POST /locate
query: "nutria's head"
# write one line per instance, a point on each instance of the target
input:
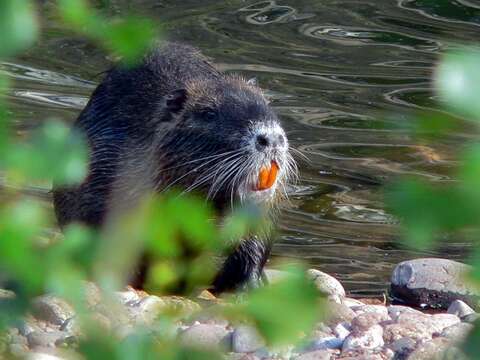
(225, 141)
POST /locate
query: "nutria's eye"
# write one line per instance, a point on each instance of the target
(210, 115)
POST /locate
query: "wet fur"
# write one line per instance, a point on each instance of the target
(141, 139)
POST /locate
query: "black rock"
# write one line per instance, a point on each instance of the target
(432, 282)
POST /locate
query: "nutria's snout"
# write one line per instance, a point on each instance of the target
(271, 164)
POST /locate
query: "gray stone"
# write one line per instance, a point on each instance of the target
(93, 294)
(18, 350)
(245, 339)
(66, 341)
(369, 339)
(205, 336)
(337, 313)
(432, 282)
(377, 309)
(207, 318)
(43, 339)
(366, 320)
(459, 308)
(342, 330)
(403, 346)
(437, 349)
(70, 326)
(326, 284)
(41, 356)
(316, 355)
(28, 326)
(435, 323)
(52, 309)
(238, 356)
(442, 321)
(128, 296)
(457, 332)
(366, 354)
(326, 343)
(394, 311)
(147, 309)
(412, 330)
(350, 302)
(471, 318)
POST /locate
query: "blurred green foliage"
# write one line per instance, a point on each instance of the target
(127, 37)
(181, 233)
(431, 212)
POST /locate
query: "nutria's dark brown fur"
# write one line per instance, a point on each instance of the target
(161, 124)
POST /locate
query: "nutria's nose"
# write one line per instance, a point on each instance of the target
(265, 141)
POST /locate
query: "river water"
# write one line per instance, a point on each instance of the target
(343, 75)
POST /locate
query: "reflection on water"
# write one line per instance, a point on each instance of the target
(333, 70)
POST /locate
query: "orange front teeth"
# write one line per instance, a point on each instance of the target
(267, 176)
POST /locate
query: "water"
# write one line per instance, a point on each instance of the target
(335, 71)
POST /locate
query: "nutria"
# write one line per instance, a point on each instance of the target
(175, 120)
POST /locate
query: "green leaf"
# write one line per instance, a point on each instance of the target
(283, 310)
(427, 209)
(130, 38)
(53, 152)
(20, 224)
(18, 26)
(458, 82)
(78, 14)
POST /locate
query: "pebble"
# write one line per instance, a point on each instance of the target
(326, 284)
(365, 321)
(431, 282)
(342, 330)
(369, 339)
(414, 331)
(471, 318)
(245, 339)
(205, 336)
(129, 296)
(376, 309)
(42, 356)
(44, 339)
(147, 309)
(457, 332)
(350, 302)
(237, 356)
(459, 308)
(338, 313)
(431, 350)
(367, 354)
(403, 346)
(70, 326)
(18, 350)
(52, 309)
(28, 326)
(425, 324)
(352, 331)
(93, 294)
(329, 342)
(316, 355)
(394, 311)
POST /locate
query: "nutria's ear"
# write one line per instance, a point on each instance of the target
(253, 81)
(175, 101)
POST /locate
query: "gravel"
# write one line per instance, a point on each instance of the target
(353, 330)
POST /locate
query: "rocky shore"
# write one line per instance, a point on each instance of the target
(355, 329)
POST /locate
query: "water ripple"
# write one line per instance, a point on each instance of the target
(359, 36)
